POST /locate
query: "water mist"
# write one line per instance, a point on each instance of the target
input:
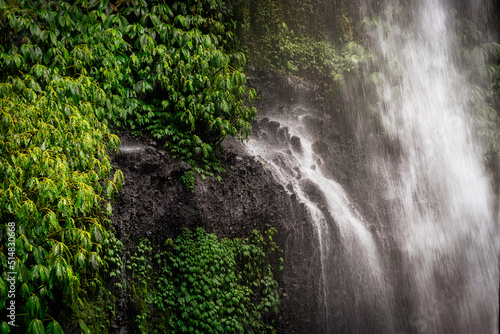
(436, 268)
(437, 188)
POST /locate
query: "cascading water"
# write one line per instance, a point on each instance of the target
(439, 193)
(440, 272)
(342, 234)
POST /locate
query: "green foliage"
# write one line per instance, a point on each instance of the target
(206, 285)
(164, 67)
(140, 268)
(99, 306)
(4, 328)
(303, 56)
(291, 36)
(55, 187)
(188, 180)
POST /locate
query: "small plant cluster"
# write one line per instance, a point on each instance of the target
(206, 285)
(300, 55)
(188, 180)
(99, 294)
(163, 67)
(140, 268)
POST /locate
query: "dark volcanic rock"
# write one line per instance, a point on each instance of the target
(273, 126)
(313, 192)
(296, 144)
(155, 204)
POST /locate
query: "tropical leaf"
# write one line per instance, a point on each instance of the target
(54, 328)
(36, 327)
(4, 327)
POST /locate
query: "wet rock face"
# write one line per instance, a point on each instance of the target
(155, 204)
(341, 158)
(313, 192)
(296, 144)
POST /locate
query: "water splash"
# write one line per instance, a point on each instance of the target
(348, 253)
(125, 148)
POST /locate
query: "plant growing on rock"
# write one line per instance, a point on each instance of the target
(188, 180)
(205, 284)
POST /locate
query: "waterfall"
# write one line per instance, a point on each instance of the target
(349, 257)
(438, 190)
(411, 109)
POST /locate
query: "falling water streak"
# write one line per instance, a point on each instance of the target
(268, 153)
(322, 231)
(335, 208)
(439, 192)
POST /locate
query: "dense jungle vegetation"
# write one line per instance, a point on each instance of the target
(74, 74)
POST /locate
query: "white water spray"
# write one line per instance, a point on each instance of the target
(338, 225)
(439, 193)
(438, 272)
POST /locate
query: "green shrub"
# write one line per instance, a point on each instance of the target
(55, 188)
(207, 285)
(291, 36)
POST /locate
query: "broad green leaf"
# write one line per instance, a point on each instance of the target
(53, 38)
(34, 29)
(109, 209)
(25, 291)
(36, 327)
(17, 60)
(94, 260)
(182, 20)
(80, 259)
(3, 290)
(83, 326)
(25, 50)
(118, 178)
(34, 307)
(54, 328)
(96, 234)
(107, 22)
(109, 190)
(4, 327)
(62, 20)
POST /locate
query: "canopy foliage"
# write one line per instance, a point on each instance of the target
(167, 69)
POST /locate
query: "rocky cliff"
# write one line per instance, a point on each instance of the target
(155, 204)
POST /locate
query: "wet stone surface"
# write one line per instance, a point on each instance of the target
(155, 204)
